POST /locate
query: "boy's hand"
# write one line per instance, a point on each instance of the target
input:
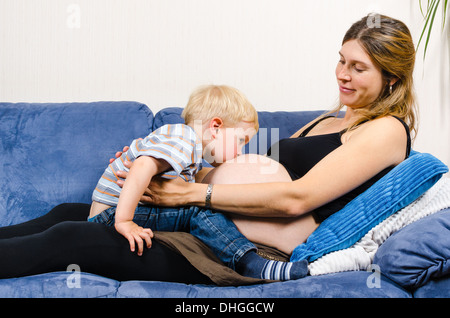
(135, 234)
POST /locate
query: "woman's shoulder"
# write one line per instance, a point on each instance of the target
(386, 125)
(384, 133)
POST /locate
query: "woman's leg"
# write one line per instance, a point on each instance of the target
(96, 249)
(60, 213)
(213, 228)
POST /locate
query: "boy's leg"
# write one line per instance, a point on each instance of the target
(155, 218)
(220, 234)
(236, 251)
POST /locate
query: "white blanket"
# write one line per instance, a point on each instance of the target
(360, 255)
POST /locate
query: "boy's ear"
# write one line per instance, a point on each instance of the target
(214, 125)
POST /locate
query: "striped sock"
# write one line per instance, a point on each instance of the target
(253, 265)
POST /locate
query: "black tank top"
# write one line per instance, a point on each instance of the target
(298, 155)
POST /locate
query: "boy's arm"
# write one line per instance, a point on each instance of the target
(139, 177)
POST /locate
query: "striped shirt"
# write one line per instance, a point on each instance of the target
(177, 144)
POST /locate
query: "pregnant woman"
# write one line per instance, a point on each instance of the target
(322, 167)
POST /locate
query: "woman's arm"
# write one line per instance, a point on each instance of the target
(202, 174)
(368, 150)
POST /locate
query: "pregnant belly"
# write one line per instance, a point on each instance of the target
(282, 233)
(249, 168)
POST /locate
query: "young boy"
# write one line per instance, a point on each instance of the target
(219, 121)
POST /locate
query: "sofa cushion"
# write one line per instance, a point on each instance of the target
(418, 253)
(355, 284)
(59, 285)
(397, 189)
(55, 153)
(435, 288)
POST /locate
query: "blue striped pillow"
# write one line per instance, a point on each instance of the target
(397, 189)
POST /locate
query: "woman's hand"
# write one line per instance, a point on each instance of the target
(119, 153)
(167, 192)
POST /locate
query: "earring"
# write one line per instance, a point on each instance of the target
(390, 90)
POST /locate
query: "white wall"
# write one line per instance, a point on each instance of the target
(280, 53)
(432, 80)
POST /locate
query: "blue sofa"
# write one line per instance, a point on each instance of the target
(44, 151)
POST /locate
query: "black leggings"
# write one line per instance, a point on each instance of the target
(64, 237)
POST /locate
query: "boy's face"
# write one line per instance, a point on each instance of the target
(228, 142)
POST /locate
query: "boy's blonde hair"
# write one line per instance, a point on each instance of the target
(221, 101)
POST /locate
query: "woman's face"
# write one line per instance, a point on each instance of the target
(360, 80)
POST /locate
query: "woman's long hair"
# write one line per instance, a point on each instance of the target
(389, 44)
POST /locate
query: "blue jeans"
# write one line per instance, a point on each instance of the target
(217, 231)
